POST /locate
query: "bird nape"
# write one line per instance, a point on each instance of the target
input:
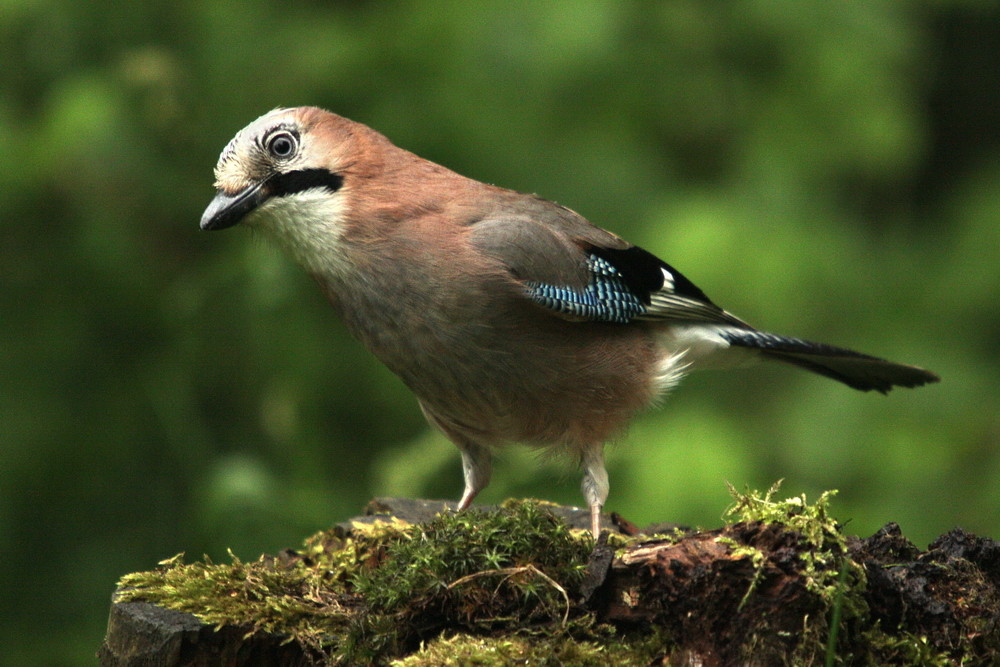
(512, 318)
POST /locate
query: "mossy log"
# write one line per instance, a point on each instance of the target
(148, 635)
(779, 586)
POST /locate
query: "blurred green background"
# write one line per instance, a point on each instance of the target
(827, 170)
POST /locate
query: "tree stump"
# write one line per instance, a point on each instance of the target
(752, 592)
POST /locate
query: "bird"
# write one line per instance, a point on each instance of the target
(512, 318)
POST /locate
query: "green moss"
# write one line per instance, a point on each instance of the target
(813, 522)
(306, 597)
(501, 588)
(827, 571)
(463, 650)
(849, 636)
(484, 572)
(827, 554)
(471, 570)
(906, 649)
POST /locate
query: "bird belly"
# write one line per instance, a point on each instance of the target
(570, 385)
(492, 365)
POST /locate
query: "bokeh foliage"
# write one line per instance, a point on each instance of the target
(827, 170)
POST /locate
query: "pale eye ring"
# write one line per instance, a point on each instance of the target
(282, 145)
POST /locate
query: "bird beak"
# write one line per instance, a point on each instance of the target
(227, 210)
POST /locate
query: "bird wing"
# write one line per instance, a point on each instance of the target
(584, 273)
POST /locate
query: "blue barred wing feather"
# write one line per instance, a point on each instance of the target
(630, 284)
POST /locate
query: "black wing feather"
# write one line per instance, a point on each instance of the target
(642, 271)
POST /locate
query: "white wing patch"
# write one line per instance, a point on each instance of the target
(666, 303)
(668, 280)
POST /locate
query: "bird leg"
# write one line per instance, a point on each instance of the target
(595, 484)
(477, 466)
(477, 461)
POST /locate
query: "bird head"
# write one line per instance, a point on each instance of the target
(298, 175)
(275, 161)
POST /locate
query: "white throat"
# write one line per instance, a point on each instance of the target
(309, 225)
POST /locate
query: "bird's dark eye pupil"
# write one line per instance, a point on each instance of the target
(282, 145)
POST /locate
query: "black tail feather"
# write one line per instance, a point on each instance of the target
(854, 369)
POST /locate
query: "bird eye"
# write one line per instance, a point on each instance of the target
(281, 144)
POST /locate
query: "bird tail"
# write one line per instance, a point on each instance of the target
(854, 369)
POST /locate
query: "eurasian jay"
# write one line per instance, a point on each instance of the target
(512, 318)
